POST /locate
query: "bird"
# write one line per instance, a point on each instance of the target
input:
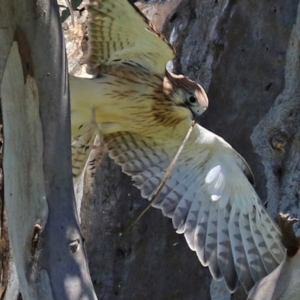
(142, 111)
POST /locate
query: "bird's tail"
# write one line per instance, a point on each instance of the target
(81, 149)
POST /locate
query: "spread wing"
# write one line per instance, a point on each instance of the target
(118, 34)
(210, 200)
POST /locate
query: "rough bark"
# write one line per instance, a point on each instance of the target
(46, 242)
(246, 55)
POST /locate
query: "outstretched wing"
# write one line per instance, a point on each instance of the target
(210, 200)
(119, 34)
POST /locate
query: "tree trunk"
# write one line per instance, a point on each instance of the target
(46, 242)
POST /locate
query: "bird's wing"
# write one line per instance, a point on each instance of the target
(210, 200)
(119, 33)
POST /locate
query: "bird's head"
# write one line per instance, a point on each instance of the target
(185, 93)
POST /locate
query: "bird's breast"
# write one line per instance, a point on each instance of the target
(126, 99)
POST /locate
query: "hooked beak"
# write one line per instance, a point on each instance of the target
(197, 112)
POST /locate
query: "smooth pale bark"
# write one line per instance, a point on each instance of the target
(46, 242)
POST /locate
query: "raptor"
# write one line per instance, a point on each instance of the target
(143, 112)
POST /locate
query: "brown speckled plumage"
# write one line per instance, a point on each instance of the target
(143, 112)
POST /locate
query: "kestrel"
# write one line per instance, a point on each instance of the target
(143, 113)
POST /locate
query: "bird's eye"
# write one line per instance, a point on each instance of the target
(192, 99)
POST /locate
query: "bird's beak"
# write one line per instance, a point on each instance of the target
(197, 112)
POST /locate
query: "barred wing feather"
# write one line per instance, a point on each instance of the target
(210, 200)
(118, 33)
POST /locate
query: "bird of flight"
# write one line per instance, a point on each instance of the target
(143, 113)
